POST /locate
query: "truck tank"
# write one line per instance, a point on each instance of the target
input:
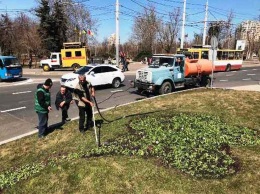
(197, 66)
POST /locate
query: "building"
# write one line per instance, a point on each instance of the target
(250, 30)
(112, 39)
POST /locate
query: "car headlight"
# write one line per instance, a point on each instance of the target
(71, 79)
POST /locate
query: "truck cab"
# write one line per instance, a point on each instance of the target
(52, 63)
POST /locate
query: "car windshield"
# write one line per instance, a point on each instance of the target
(11, 62)
(162, 61)
(83, 70)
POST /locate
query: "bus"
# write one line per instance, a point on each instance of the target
(224, 59)
(10, 68)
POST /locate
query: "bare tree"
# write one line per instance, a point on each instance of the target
(144, 29)
(168, 31)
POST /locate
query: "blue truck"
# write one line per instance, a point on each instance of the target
(170, 71)
(10, 68)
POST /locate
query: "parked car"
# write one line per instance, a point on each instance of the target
(97, 74)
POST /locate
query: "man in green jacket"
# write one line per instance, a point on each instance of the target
(43, 106)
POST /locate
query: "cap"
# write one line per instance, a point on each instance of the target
(48, 82)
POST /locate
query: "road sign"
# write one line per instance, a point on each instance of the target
(214, 42)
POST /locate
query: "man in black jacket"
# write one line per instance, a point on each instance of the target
(63, 101)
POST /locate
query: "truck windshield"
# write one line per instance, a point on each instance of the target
(11, 62)
(162, 61)
(83, 70)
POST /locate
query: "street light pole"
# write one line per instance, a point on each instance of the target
(183, 23)
(117, 33)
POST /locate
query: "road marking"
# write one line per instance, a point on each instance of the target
(116, 91)
(251, 74)
(229, 75)
(223, 80)
(21, 92)
(254, 69)
(246, 79)
(244, 70)
(13, 109)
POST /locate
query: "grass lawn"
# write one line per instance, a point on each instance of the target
(59, 163)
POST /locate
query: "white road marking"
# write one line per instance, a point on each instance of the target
(116, 91)
(251, 74)
(13, 109)
(21, 92)
(254, 69)
(229, 75)
(246, 79)
(223, 80)
(244, 70)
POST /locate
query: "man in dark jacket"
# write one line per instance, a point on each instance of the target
(42, 106)
(63, 101)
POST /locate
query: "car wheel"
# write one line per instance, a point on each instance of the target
(75, 66)
(46, 68)
(165, 88)
(116, 83)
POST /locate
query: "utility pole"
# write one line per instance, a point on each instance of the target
(205, 25)
(183, 23)
(117, 33)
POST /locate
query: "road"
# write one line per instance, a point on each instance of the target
(17, 114)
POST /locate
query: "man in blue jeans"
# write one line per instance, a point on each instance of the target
(42, 106)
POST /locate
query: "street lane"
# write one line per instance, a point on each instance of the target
(19, 96)
(17, 114)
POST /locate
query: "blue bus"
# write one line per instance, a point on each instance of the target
(10, 68)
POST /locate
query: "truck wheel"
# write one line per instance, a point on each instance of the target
(116, 83)
(165, 88)
(228, 68)
(75, 66)
(205, 82)
(46, 68)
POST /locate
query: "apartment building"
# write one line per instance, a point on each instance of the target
(251, 30)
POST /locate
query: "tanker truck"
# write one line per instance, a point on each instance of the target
(168, 72)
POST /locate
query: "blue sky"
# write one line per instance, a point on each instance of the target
(104, 11)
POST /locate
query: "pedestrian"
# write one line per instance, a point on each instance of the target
(126, 64)
(63, 101)
(30, 62)
(43, 106)
(84, 92)
(123, 61)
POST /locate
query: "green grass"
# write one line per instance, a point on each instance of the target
(133, 174)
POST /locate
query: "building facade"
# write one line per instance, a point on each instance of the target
(250, 30)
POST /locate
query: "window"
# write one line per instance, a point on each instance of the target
(54, 57)
(108, 69)
(68, 54)
(195, 55)
(97, 70)
(231, 55)
(78, 53)
(219, 55)
(205, 54)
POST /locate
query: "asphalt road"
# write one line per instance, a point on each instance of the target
(17, 116)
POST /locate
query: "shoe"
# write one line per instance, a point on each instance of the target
(41, 136)
(82, 131)
(67, 119)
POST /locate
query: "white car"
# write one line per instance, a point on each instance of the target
(101, 74)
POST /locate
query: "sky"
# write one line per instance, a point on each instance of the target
(104, 12)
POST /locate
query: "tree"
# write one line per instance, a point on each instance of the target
(168, 31)
(53, 25)
(7, 42)
(145, 29)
